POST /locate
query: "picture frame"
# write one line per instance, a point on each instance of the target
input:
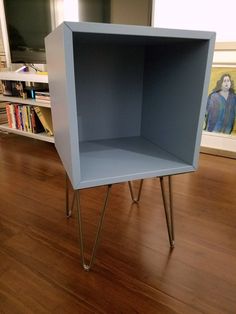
(224, 62)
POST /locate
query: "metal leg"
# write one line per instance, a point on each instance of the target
(88, 266)
(168, 213)
(68, 207)
(135, 200)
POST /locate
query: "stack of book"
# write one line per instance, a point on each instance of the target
(42, 96)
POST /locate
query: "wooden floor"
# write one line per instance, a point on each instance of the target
(135, 271)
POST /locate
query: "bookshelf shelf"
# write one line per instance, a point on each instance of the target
(18, 100)
(39, 136)
(132, 100)
(27, 77)
(24, 77)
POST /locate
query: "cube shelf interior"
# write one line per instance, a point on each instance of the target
(128, 102)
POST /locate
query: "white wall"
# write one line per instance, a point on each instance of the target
(213, 15)
(65, 10)
(91, 10)
(135, 12)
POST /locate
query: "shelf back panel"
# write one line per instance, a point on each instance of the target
(109, 85)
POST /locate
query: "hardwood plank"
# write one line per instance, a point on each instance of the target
(135, 271)
(24, 291)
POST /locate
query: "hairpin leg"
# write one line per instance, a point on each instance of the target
(168, 213)
(88, 266)
(135, 200)
(68, 207)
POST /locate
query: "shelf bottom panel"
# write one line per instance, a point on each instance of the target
(119, 160)
(38, 136)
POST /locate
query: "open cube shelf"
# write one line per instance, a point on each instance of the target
(128, 102)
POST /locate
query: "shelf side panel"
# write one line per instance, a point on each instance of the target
(173, 100)
(60, 62)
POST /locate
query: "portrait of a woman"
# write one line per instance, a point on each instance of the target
(221, 106)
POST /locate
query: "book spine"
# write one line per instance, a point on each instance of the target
(25, 119)
(37, 93)
(33, 122)
(17, 115)
(39, 99)
(43, 120)
(13, 117)
(21, 117)
(9, 115)
(29, 119)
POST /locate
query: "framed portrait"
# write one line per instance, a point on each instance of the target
(221, 103)
(221, 142)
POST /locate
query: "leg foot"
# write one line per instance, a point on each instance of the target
(135, 200)
(87, 266)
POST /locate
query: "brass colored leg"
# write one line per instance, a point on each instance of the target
(135, 200)
(68, 207)
(168, 213)
(88, 266)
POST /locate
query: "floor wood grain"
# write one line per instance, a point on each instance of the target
(135, 271)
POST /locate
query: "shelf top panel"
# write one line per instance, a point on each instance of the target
(24, 77)
(134, 30)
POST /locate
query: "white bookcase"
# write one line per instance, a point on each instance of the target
(25, 77)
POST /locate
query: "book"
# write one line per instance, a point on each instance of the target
(29, 119)
(44, 115)
(42, 93)
(39, 99)
(42, 96)
(17, 116)
(9, 119)
(13, 116)
(25, 119)
(37, 126)
(20, 109)
(3, 113)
